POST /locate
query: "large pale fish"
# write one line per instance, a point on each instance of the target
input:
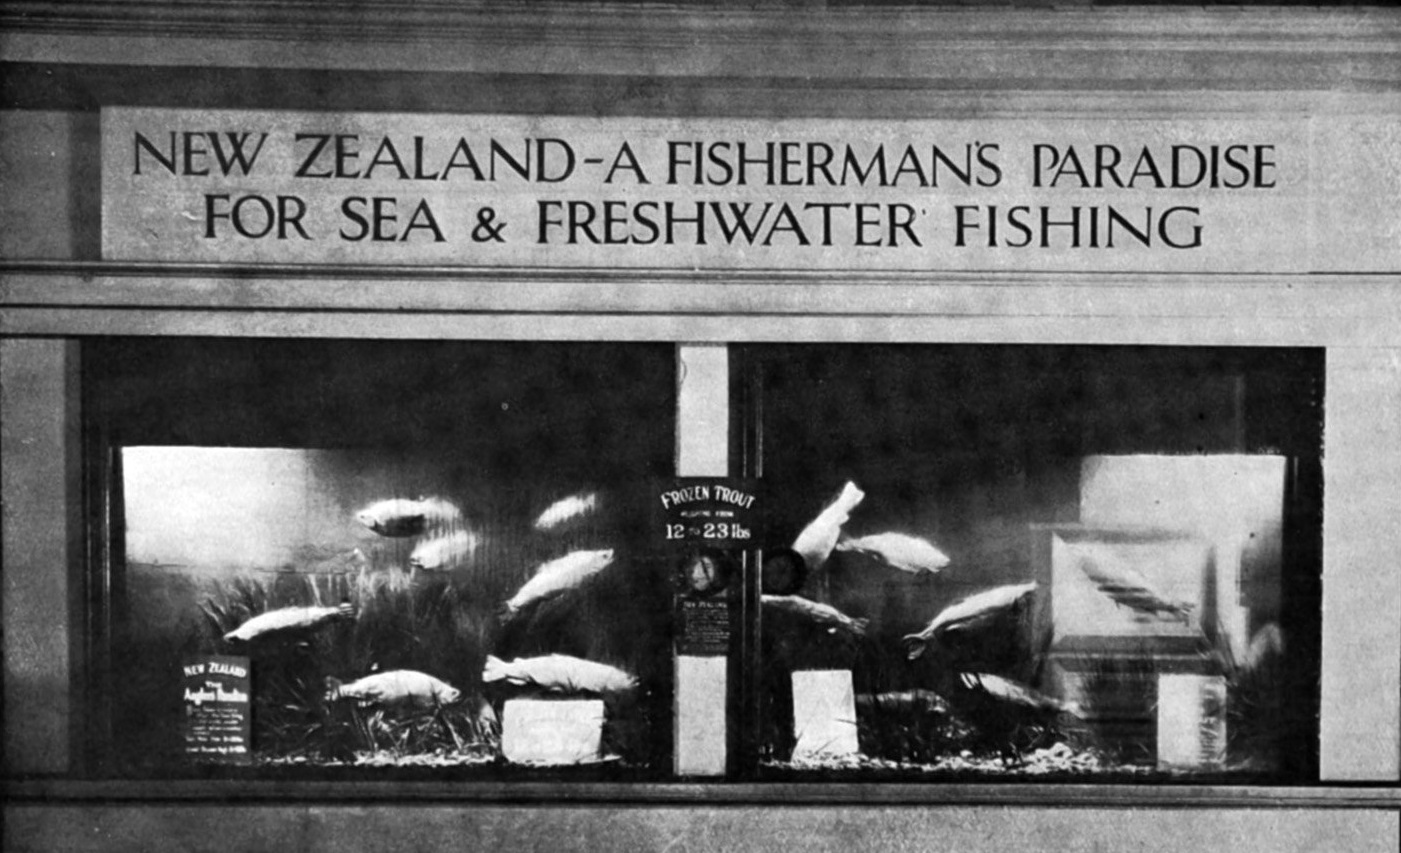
(289, 619)
(559, 576)
(823, 614)
(559, 674)
(400, 517)
(566, 509)
(899, 551)
(1016, 693)
(443, 552)
(1127, 588)
(816, 541)
(915, 701)
(396, 687)
(971, 612)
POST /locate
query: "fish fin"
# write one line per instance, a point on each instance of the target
(495, 669)
(914, 646)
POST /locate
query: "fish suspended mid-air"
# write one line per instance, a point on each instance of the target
(825, 615)
(396, 687)
(1016, 693)
(443, 552)
(1127, 588)
(971, 612)
(816, 541)
(899, 551)
(566, 509)
(400, 517)
(559, 674)
(557, 577)
(289, 620)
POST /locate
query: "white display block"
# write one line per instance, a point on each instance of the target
(1191, 721)
(701, 693)
(824, 714)
(564, 731)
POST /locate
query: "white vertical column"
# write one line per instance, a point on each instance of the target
(37, 443)
(702, 450)
(1360, 712)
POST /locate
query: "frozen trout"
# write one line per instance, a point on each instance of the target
(821, 614)
(559, 674)
(289, 620)
(899, 551)
(566, 510)
(971, 612)
(817, 540)
(399, 517)
(396, 687)
(557, 577)
(443, 552)
(1016, 693)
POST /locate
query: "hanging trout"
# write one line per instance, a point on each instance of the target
(971, 612)
(400, 517)
(565, 510)
(557, 577)
(396, 687)
(443, 552)
(559, 674)
(822, 614)
(816, 541)
(289, 620)
(899, 551)
(1016, 693)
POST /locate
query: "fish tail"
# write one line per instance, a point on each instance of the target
(915, 645)
(858, 626)
(333, 689)
(495, 669)
(346, 610)
(506, 612)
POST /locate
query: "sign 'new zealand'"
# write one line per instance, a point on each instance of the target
(492, 190)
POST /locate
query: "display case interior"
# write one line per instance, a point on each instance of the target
(421, 558)
(1039, 562)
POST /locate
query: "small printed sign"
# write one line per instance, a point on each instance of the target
(719, 513)
(217, 693)
(705, 627)
(552, 732)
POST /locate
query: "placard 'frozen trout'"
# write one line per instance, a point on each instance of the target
(899, 551)
(559, 576)
(973, 611)
(560, 674)
(399, 517)
(396, 687)
(817, 540)
(289, 619)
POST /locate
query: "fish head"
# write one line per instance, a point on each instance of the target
(449, 695)
(603, 558)
(367, 518)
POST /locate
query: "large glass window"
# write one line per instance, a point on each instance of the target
(326, 555)
(1039, 562)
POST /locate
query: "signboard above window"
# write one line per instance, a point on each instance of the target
(686, 194)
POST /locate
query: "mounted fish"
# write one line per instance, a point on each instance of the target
(566, 510)
(558, 577)
(1016, 693)
(400, 517)
(972, 612)
(559, 674)
(816, 541)
(898, 551)
(821, 614)
(1127, 588)
(399, 687)
(289, 620)
(916, 701)
(443, 552)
